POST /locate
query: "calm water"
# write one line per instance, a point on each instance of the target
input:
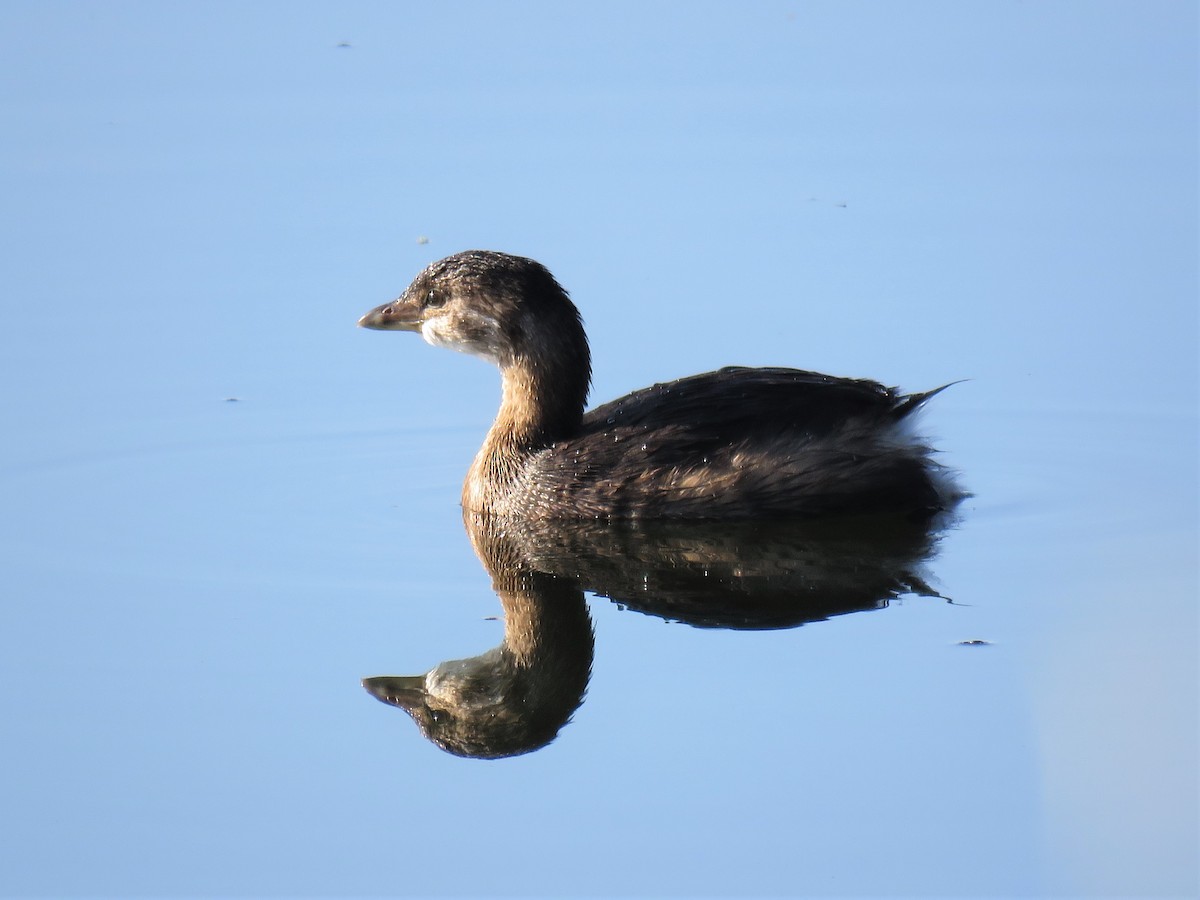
(223, 506)
(191, 611)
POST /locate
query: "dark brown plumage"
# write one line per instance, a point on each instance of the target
(735, 443)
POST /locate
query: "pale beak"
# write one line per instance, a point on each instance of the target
(405, 691)
(395, 316)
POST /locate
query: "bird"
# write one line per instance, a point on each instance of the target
(735, 443)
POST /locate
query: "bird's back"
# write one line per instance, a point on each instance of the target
(739, 443)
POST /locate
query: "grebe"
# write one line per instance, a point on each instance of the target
(735, 443)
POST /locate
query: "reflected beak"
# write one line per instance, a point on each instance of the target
(395, 316)
(405, 691)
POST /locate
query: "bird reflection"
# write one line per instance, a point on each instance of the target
(766, 575)
(515, 697)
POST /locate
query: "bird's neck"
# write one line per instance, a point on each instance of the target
(541, 403)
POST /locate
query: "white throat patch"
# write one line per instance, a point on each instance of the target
(439, 332)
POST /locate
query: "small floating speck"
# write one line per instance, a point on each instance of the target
(421, 239)
(974, 642)
(231, 399)
(343, 45)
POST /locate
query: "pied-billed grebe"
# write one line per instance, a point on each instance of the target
(734, 443)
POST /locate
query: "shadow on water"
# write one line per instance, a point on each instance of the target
(748, 576)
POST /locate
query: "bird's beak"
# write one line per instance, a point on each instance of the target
(405, 691)
(399, 315)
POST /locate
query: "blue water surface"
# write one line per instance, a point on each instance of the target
(224, 505)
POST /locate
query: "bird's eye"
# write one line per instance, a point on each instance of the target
(434, 298)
